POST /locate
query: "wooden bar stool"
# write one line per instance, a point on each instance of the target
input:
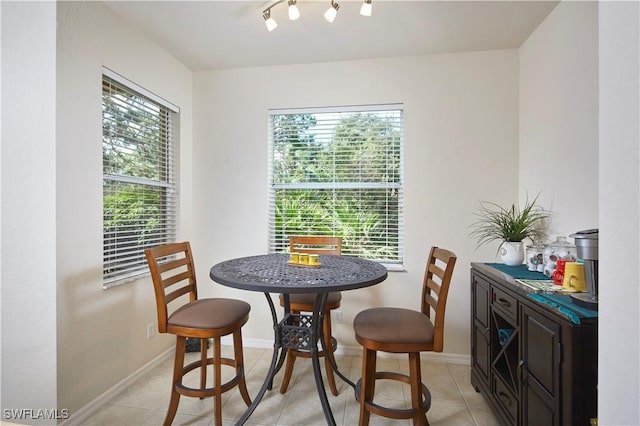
(173, 275)
(304, 303)
(399, 330)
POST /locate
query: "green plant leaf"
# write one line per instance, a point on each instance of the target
(509, 224)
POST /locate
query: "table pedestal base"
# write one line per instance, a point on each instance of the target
(301, 332)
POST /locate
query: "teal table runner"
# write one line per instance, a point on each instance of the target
(519, 272)
(563, 304)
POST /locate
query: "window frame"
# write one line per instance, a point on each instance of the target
(274, 246)
(133, 262)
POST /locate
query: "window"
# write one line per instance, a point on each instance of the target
(139, 189)
(338, 172)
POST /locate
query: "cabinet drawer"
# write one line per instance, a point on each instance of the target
(504, 302)
(506, 399)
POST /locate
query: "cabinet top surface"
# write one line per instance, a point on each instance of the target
(548, 301)
(506, 278)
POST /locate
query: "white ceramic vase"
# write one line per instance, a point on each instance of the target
(512, 253)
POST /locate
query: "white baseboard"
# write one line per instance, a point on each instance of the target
(85, 412)
(441, 357)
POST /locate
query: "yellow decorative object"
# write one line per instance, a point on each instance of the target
(304, 259)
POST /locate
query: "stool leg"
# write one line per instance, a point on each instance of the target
(239, 359)
(178, 366)
(419, 419)
(217, 372)
(203, 364)
(288, 370)
(367, 384)
(328, 353)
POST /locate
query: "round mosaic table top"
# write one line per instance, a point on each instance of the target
(272, 273)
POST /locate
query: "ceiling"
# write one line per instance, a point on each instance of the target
(231, 34)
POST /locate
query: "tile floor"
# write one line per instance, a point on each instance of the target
(454, 401)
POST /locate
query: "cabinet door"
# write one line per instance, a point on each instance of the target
(541, 358)
(480, 357)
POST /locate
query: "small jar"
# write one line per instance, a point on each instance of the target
(559, 249)
(534, 257)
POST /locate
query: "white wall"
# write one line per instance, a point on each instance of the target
(102, 333)
(461, 133)
(559, 117)
(579, 98)
(28, 207)
(619, 343)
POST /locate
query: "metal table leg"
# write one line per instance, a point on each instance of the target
(318, 313)
(272, 368)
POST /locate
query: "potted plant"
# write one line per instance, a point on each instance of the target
(511, 226)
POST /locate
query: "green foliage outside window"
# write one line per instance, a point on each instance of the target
(137, 206)
(341, 177)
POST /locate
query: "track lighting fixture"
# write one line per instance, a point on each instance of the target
(330, 14)
(365, 9)
(294, 13)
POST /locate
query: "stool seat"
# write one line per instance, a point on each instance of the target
(211, 317)
(395, 330)
(308, 299)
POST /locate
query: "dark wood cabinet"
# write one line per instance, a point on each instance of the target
(541, 361)
(533, 365)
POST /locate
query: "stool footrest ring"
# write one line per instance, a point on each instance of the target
(207, 392)
(394, 413)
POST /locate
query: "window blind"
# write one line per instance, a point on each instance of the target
(139, 189)
(338, 172)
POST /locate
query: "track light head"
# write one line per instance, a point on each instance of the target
(269, 21)
(294, 13)
(330, 14)
(365, 9)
